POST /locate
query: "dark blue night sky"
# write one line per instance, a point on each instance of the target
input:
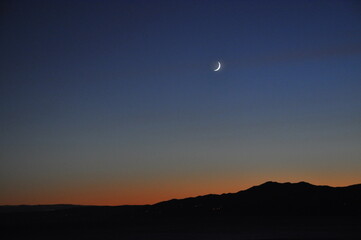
(116, 102)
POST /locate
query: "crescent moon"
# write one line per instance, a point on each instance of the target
(219, 67)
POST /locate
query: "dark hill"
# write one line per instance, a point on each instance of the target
(272, 208)
(272, 198)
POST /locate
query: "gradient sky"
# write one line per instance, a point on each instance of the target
(115, 102)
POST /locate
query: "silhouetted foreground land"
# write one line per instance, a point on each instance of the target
(269, 211)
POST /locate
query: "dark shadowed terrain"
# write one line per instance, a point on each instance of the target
(268, 211)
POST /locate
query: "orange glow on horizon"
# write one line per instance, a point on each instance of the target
(154, 192)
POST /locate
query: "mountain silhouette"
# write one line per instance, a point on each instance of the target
(269, 198)
(272, 198)
(271, 205)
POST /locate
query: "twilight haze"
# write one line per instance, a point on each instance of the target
(116, 102)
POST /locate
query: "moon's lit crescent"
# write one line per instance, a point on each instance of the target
(219, 67)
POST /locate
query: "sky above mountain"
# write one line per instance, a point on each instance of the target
(116, 102)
